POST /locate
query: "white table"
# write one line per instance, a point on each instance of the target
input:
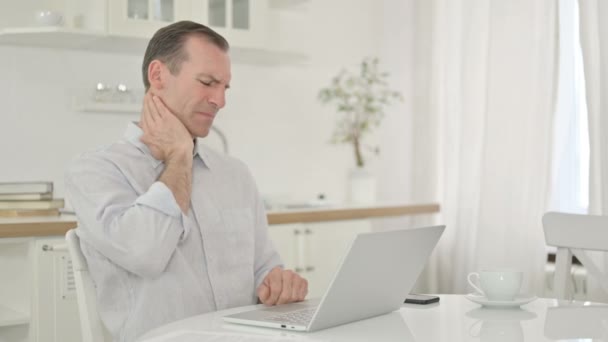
(453, 319)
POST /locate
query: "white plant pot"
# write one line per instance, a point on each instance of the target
(362, 187)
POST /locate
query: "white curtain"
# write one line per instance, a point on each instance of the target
(594, 42)
(487, 126)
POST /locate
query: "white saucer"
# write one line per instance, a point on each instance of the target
(518, 301)
(500, 314)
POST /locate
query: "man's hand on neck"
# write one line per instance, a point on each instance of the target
(169, 141)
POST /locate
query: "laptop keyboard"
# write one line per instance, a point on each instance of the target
(300, 317)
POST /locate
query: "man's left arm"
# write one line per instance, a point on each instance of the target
(274, 285)
(266, 256)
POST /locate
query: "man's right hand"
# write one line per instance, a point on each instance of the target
(281, 287)
(169, 141)
(164, 134)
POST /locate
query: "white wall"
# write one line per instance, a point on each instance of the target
(273, 120)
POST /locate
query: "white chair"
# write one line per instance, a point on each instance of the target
(93, 329)
(573, 234)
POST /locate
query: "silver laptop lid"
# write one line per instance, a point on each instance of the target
(376, 274)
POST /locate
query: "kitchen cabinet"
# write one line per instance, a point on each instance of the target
(241, 22)
(141, 18)
(53, 293)
(38, 300)
(126, 26)
(315, 250)
(14, 296)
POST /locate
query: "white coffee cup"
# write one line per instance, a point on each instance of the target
(49, 18)
(500, 285)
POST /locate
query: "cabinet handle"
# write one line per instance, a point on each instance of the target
(296, 232)
(308, 231)
(55, 248)
(299, 269)
(310, 268)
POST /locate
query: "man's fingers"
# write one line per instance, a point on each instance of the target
(162, 110)
(281, 287)
(303, 290)
(145, 124)
(148, 111)
(154, 112)
(164, 135)
(263, 293)
(286, 290)
(300, 288)
(275, 283)
(296, 288)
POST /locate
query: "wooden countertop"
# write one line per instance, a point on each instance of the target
(349, 213)
(59, 225)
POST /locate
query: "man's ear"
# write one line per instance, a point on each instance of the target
(156, 74)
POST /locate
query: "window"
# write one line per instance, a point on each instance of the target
(570, 183)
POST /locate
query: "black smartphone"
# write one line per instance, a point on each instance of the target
(420, 299)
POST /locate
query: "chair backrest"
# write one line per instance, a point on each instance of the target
(90, 322)
(573, 234)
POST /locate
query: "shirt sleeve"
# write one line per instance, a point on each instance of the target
(266, 256)
(137, 232)
(159, 197)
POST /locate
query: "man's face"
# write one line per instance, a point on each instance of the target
(197, 92)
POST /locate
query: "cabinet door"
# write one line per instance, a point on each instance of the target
(285, 238)
(54, 308)
(242, 22)
(142, 18)
(315, 250)
(14, 289)
(327, 244)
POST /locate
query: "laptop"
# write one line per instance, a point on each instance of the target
(377, 273)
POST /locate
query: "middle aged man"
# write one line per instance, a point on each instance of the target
(169, 228)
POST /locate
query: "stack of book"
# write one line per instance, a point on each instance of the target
(28, 199)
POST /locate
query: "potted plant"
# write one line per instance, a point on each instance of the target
(361, 98)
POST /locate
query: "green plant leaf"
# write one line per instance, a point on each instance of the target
(361, 99)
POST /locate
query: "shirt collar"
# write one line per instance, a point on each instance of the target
(133, 135)
(201, 151)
